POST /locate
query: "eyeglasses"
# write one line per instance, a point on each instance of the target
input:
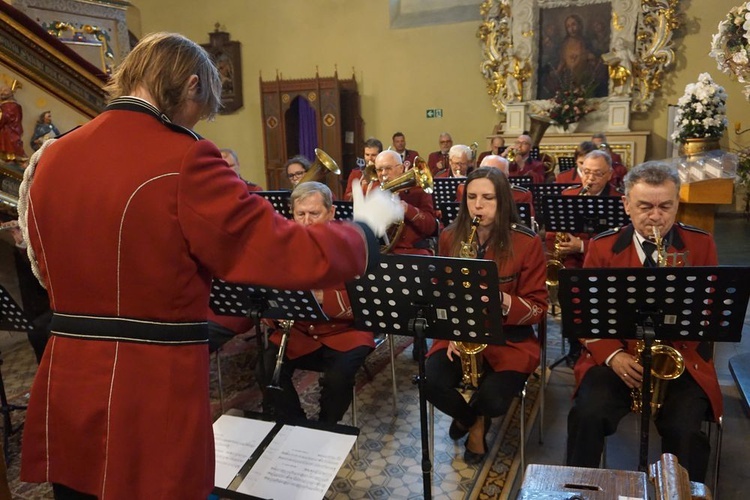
(294, 175)
(459, 164)
(597, 174)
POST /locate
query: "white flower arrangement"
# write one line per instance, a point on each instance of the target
(731, 45)
(701, 110)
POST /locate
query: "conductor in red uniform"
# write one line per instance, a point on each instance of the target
(608, 369)
(333, 347)
(119, 408)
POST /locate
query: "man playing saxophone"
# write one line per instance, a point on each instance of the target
(499, 236)
(332, 347)
(608, 369)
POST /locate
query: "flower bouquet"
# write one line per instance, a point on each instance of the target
(569, 106)
(731, 45)
(701, 111)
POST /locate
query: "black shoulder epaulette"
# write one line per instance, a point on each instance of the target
(523, 229)
(688, 227)
(608, 232)
(69, 131)
(184, 130)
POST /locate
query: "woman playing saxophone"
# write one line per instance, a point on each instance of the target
(520, 261)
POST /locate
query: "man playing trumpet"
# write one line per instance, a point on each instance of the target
(608, 369)
(332, 347)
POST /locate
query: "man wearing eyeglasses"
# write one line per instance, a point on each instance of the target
(438, 160)
(420, 221)
(618, 168)
(458, 162)
(523, 164)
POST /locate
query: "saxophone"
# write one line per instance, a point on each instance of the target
(666, 362)
(555, 263)
(471, 362)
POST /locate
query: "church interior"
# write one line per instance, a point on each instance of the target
(331, 74)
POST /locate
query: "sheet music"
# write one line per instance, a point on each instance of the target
(235, 440)
(299, 464)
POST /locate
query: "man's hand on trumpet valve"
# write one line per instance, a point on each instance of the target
(571, 244)
(378, 209)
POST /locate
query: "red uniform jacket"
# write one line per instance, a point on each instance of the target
(575, 260)
(435, 158)
(533, 168)
(568, 177)
(354, 174)
(520, 195)
(522, 277)
(338, 333)
(408, 158)
(131, 217)
(616, 249)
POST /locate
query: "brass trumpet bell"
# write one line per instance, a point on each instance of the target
(322, 165)
(370, 174)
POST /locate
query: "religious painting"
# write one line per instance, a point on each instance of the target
(571, 44)
(226, 56)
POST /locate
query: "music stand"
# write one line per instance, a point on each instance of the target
(12, 318)
(524, 181)
(584, 214)
(539, 191)
(444, 189)
(429, 297)
(279, 200)
(667, 303)
(565, 163)
(258, 302)
(344, 210)
(448, 211)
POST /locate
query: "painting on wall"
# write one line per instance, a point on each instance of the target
(226, 56)
(572, 42)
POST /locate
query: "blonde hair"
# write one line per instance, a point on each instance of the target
(162, 63)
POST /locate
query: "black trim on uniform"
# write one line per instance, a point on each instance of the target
(110, 328)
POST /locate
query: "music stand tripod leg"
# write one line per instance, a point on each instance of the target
(418, 326)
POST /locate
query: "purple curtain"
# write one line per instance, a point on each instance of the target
(308, 129)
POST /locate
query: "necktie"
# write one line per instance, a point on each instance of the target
(649, 247)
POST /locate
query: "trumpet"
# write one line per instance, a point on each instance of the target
(666, 362)
(322, 165)
(555, 264)
(471, 362)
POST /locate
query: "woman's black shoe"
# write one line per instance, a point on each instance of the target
(472, 458)
(455, 431)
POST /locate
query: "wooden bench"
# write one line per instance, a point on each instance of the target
(740, 367)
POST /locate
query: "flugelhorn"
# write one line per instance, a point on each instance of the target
(420, 176)
(320, 168)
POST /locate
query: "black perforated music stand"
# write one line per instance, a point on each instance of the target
(444, 189)
(279, 200)
(524, 181)
(668, 303)
(449, 212)
(539, 191)
(12, 318)
(344, 210)
(258, 302)
(565, 163)
(429, 297)
(584, 214)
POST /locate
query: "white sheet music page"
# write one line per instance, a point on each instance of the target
(299, 464)
(235, 440)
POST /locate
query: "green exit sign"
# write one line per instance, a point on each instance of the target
(434, 113)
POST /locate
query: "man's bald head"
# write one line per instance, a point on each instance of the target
(497, 162)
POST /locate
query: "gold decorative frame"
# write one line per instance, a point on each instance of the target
(643, 28)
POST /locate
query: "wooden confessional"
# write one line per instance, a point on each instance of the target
(336, 108)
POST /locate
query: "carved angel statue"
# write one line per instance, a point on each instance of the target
(620, 62)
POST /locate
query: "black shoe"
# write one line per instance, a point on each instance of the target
(472, 458)
(456, 432)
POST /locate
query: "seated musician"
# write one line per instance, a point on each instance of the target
(407, 156)
(618, 168)
(520, 260)
(459, 157)
(332, 347)
(420, 221)
(295, 168)
(609, 369)
(520, 194)
(523, 165)
(233, 161)
(497, 146)
(438, 160)
(573, 175)
(371, 150)
(596, 173)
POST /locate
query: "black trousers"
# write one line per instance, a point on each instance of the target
(603, 400)
(496, 389)
(338, 371)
